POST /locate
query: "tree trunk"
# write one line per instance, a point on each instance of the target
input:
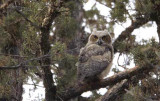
(50, 88)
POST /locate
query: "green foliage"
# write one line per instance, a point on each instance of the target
(18, 36)
(35, 11)
(146, 53)
(119, 10)
(15, 31)
(66, 27)
(5, 90)
(145, 89)
(71, 5)
(91, 13)
(133, 95)
(66, 71)
(5, 83)
(144, 6)
(126, 45)
(31, 43)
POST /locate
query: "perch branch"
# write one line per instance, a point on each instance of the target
(78, 88)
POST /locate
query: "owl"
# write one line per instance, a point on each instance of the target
(95, 59)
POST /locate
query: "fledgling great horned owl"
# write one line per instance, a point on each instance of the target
(95, 59)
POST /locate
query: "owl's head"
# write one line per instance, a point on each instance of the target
(101, 38)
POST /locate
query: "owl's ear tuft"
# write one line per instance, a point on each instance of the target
(111, 33)
(94, 30)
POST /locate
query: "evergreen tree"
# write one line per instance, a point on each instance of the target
(41, 39)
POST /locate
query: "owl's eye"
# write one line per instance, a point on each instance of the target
(94, 38)
(106, 39)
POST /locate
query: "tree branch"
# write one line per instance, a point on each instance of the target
(115, 92)
(18, 56)
(118, 90)
(23, 63)
(32, 24)
(53, 12)
(128, 31)
(78, 88)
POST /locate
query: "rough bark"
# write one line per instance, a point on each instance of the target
(115, 92)
(50, 88)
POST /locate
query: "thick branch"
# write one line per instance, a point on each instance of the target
(115, 92)
(118, 90)
(53, 12)
(128, 31)
(50, 88)
(78, 88)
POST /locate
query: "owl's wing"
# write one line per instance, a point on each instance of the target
(94, 64)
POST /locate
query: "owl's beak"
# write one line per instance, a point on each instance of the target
(99, 42)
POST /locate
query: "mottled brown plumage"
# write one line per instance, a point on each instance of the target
(95, 58)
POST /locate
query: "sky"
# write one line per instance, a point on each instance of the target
(141, 33)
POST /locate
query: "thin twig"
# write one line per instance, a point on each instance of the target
(13, 55)
(22, 64)
(34, 85)
(33, 24)
(118, 62)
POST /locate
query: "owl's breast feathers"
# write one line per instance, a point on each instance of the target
(91, 51)
(93, 60)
